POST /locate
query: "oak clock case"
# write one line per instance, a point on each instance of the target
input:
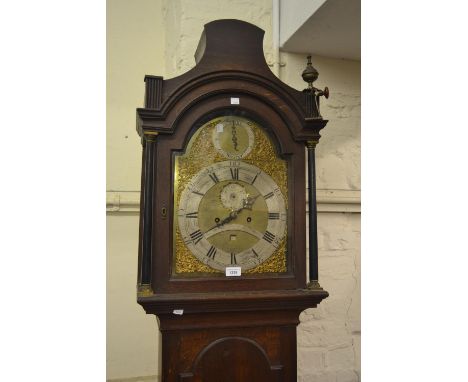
(230, 206)
(224, 150)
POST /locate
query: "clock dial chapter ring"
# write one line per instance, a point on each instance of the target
(226, 220)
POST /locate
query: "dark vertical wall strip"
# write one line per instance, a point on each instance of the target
(313, 244)
(150, 148)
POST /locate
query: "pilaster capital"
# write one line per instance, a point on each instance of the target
(310, 144)
(150, 136)
(144, 290)
(314, 284)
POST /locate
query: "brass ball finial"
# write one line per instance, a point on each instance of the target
(309, 74)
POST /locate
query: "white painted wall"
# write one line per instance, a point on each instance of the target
(185, 20)
(135, 47)
(329, 337)
(332, 29)
(159, 37)
(132, 336)
(294, 13)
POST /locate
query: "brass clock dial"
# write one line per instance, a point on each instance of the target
(232, 213)
(230, 200)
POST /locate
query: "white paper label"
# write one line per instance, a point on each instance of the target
(234, 101)
(219, 128)
(179, 312)
(233, 271)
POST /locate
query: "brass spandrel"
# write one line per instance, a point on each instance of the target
(264, 157)
(276, 263)
(185, 262)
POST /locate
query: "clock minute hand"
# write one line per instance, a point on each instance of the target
(231, 217)
(246, 204)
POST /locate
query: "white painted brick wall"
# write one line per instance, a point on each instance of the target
(185, 20)
(334, 327)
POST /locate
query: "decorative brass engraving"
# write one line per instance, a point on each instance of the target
(201, 153)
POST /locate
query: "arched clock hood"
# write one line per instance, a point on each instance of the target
(230, 61)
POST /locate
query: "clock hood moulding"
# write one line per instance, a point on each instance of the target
(229, 59)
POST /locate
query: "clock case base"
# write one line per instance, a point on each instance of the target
(230, 337)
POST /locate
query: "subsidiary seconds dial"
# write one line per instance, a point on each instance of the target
(232, 214)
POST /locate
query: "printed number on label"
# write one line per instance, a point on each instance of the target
(233, 271)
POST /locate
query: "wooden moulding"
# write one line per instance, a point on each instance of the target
(232, 301)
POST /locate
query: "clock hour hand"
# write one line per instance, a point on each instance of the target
(246, 204)
(232, 216)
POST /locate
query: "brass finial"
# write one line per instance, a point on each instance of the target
(309, 74)
(312, 99)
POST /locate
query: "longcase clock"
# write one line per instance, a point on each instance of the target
(222, 254)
